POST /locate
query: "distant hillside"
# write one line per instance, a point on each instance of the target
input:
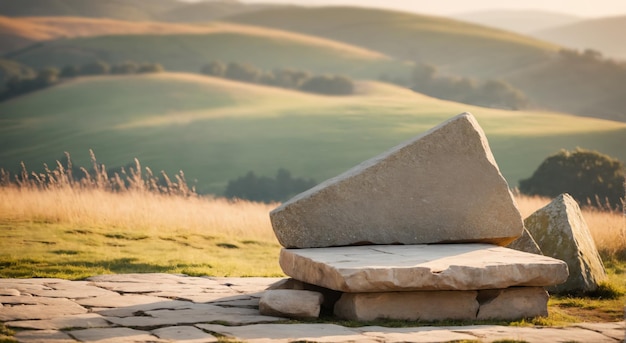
(17, 33)
(520, 21)
(126, 9)
(216, 130)
(264, 48)
(604, 34)
(554, 81)
(209, 10)
(460, 48)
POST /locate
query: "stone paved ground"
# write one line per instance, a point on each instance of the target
(175, 308)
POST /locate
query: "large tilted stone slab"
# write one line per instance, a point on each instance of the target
(442, 186)
(561, 232)
(525, 243)
(387, 268)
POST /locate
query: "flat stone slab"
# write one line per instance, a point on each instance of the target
(385, 268)
(87, 320)
(185, 334)
(442, 186)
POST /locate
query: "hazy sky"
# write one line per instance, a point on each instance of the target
(583, 8)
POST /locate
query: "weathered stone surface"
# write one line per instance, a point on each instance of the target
(291, 303)
(55, 307)
(184, 334)
(424, 306)
(72, 290)
(330, 295)
(279, 333)
(384, 268)
(513, 303)
(525, 243)
(561, 232)
(86, 320)
(423, 334)
(111, 335)
(43, 336)
(9, 292)
(442, 186)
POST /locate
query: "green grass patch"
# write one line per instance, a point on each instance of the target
(26, 252)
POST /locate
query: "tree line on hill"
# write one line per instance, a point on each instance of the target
(266, 189)
(426, 79)
(283, 78)
(18, 85)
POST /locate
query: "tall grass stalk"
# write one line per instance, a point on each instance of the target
(131, 200)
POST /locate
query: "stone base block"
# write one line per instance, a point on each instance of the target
(513, 303)
(290, 303)
(503, 304)
(424, 306)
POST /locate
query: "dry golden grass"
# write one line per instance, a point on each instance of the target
(146, 211)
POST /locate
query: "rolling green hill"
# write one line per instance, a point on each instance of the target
(126, 10)
(458, 47)
(603, 34)
(582, 86)
(264, 48)
(216, 130)
(520, 21)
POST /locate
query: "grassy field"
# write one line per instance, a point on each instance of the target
(73, 232)
(216, 130)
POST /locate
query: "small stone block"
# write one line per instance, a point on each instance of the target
(513, 303)
(291, 303)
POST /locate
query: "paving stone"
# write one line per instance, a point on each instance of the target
(561, 232)
(138, 277)
(87, 320)
(114, 335)
(31, 300)
(513, 303)
(384, 268)
(122, 301)
(291, 303)
(9, 292)
(184, 334)
(422, 306)
(131, 310)
(534, 335)
(43, 336)
(424, 334)
(61, 307)
(278, 333)
(417, 192)
(246, 284)
(72, 290)
(615, 330)
(200, 313)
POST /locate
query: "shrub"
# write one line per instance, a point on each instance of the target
(150, 68)
(242, 72)
(214, 68)
(95, 68)
(127, 67)
(588, 176)
(330, 85)
(255, 188)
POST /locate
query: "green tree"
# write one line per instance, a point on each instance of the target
(150, 68)
(588, 176)
(70, 71)
(214, 68)
(266, 189)
(95, 68)
(243, 72)
(128, 67)
(330, 85)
